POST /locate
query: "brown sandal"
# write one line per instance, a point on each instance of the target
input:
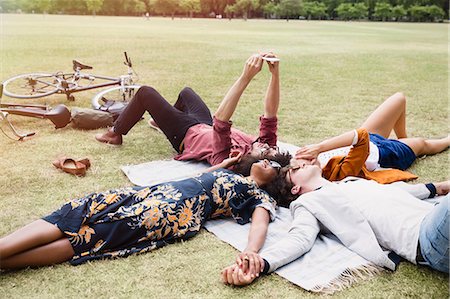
(71, 166)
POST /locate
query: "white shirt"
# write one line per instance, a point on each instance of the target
(372, 162)
(364, 215)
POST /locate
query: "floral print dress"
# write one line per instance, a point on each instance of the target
(125, 221)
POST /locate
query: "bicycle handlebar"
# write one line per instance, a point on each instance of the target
(127, 59)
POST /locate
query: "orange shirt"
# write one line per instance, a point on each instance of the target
(340, 167)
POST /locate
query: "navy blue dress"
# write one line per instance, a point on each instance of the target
(125, 221)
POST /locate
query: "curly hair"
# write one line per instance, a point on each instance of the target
(280, 189)
(247, 161)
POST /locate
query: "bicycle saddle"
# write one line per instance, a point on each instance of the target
(79, 65)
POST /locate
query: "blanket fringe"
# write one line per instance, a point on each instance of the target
(347, 278)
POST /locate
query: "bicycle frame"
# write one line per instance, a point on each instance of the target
(69, 82)
(4, 118)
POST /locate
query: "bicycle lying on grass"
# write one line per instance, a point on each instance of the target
(37, 85)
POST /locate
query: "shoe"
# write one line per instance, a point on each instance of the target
(110, 137)
(152, 123)
(71, 166)
(60, 161)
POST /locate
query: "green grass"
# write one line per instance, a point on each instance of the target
(333, 75)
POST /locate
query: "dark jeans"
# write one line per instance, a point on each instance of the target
(174, 121)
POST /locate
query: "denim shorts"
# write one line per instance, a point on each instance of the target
(393, 153)
(433, 237)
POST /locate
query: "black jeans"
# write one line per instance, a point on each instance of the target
(174, 121)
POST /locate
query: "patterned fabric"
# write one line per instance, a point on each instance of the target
(135, 220)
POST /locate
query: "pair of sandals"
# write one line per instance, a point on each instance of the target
(75, 167)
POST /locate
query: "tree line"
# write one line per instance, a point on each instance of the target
(381, 10)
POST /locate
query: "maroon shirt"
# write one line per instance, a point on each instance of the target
(213, 144)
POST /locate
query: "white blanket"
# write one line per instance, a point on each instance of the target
(327, 267)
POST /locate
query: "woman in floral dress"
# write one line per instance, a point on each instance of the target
(125, 221)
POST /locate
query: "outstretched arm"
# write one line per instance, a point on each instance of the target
(300, 240)
(248, 259)
(272, 99)
(229, 103)
(310, 152)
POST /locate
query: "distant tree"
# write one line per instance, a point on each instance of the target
(290, 8)
(344, 11)
(332, 6)
(215, 6)
(229, 11)
(269, 9)
(134, 7)
(190, 6)
(43, 6)
(94, 6)
(73, 7)
(314, 10)
(383, 11)
(359, 11)
(418, 13)
(140, 7)
(167, 7)
(435, 13)
(244, 7)
(9, 5)
(398, 12)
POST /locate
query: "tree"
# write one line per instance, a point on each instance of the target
(43, 5)
(359, 11)
(94, 5)
(344, 11)
(383, 11)
(314, 10)
(290, 8)
(244, 7)
(270, 9)
(435, 13)
(398, 12)
(418, 13)
(190, 6)
(167, 7)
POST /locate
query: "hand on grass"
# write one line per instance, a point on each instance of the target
(250, 262)
(235, 276)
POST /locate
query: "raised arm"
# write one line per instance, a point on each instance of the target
(272, 99)
(229, 103)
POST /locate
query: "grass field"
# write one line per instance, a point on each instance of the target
(333, 75)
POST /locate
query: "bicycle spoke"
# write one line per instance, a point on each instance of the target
(47, 83)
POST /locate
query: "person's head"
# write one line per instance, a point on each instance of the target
(267, 174)
(247, 161)
(264, 171)
(303, 162)
(292, 181)
(261, 150)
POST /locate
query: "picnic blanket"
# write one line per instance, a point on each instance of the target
(328, 267)
(155, 172)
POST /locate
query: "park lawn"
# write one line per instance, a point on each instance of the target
(333, 74)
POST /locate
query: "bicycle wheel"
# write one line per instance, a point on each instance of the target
(114, 94)
(31, 86)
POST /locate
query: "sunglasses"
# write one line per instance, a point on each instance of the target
(273, 164)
